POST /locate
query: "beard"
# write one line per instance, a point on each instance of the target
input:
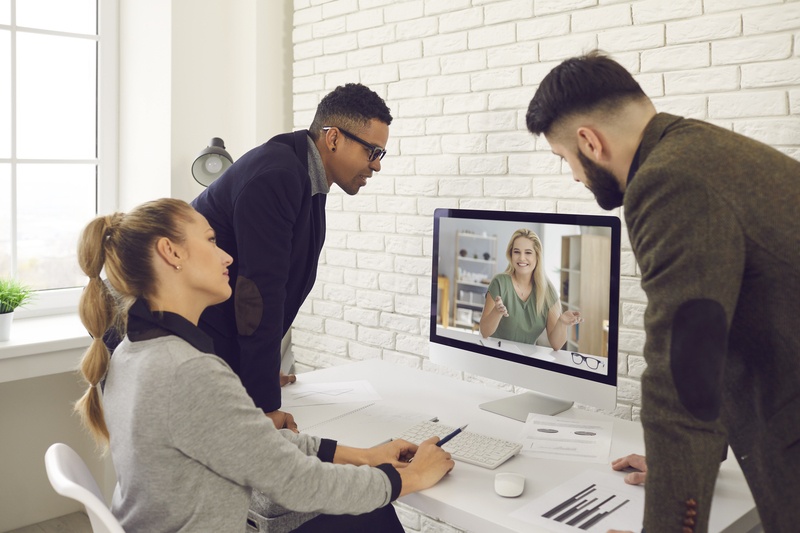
(602, 183)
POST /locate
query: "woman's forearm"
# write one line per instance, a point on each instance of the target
(345, 455)
(490, 318)
(557, 335)
(489, 323)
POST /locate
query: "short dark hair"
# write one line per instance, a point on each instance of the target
(350, 106)
(577, 85)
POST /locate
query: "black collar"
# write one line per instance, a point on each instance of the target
(144, 325)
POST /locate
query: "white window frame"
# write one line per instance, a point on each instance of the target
(60, 301)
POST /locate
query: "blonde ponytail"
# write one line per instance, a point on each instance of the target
(97, 312)
(123, 245)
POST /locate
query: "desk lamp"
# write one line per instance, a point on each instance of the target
(211, 162)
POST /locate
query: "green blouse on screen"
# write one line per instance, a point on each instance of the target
(523, 323)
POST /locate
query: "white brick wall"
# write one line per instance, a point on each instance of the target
(458, 76)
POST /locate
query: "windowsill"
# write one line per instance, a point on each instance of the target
(41, 346)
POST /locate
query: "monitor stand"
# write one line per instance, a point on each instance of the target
(518, 406)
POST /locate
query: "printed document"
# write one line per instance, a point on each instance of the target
(550, 437)
(592, 501)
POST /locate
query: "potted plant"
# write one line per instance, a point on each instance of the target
(13, 294)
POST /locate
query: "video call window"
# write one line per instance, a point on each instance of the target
(576, 267)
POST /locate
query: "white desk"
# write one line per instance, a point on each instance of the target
(465, 498)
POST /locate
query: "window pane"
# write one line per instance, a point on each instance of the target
(75, 16)
(56, 91)
(5, 220)
(5, 11)
(5, 94)
(54, 203)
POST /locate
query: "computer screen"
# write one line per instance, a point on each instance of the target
(573, 270)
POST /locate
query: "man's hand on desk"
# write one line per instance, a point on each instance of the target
(282, 420)
(632, 463)
(287, 378)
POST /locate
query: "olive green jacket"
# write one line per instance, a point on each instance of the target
(714, 222)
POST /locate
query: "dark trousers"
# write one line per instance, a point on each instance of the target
(381, 520)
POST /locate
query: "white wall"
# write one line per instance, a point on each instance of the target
(35, 413)
(458, 76)
(189, 70)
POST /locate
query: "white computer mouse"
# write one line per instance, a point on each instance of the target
(509, 485)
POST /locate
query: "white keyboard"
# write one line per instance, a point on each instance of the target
(473, 448)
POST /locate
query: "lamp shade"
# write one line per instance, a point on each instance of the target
(211, 162)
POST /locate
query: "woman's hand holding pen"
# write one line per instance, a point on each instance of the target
(430, 464)
(397, 453)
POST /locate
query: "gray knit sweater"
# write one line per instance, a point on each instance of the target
(188, 444)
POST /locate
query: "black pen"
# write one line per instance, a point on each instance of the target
(451, 435)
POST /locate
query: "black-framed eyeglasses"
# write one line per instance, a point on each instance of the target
(375, 152)
(591, 362)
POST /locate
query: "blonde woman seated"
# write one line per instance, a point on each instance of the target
(187, 442)
(521, 302)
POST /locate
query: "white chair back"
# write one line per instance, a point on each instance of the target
(70, 477)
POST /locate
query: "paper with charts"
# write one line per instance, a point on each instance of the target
(568, 439)
(300, 393)
(592, 501)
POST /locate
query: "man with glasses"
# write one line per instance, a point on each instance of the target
(268, 212)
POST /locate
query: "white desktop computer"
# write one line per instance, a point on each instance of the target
(579, 258)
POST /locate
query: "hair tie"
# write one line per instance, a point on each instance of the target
(102, 379)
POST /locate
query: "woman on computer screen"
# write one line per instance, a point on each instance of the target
(521, 302)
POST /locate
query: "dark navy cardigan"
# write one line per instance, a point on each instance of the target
(264, 216)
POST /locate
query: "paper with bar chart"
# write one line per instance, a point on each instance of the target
(592, 501)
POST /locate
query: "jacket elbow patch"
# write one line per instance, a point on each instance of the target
(249, 306)
(697, 356)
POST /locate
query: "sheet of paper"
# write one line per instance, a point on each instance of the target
(593, 501)
(300, 394)
(551, 437)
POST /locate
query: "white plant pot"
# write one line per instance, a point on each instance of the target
(5, 325)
